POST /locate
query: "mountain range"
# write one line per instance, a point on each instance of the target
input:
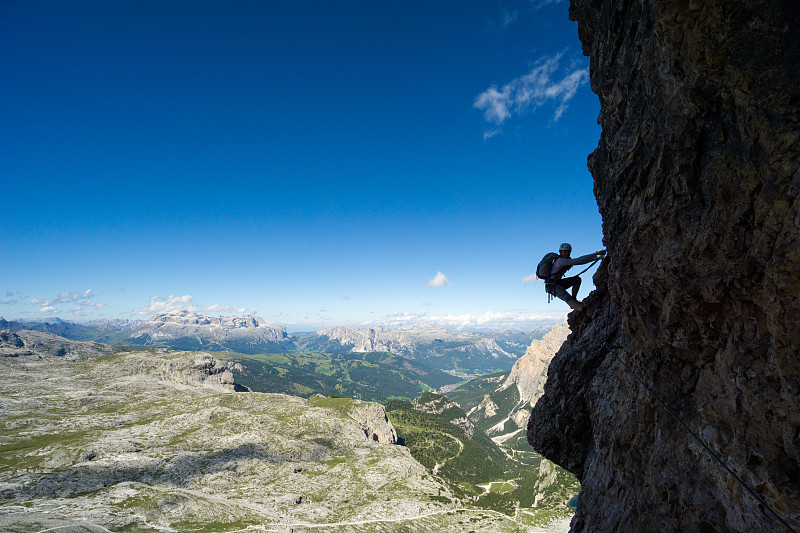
(460, 352)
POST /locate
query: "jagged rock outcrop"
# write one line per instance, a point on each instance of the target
(529, 373)
(204, 371)
(696, 177)
(373, 420)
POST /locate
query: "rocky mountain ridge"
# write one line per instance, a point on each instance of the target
(157, 440)
(431, 343)
(38, 344)
(180, 324)
(439, 347)
(697, 178)
(500, 404)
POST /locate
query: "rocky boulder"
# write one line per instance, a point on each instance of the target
(373, 420)
(205, 371)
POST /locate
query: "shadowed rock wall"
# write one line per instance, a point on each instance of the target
(696, 177)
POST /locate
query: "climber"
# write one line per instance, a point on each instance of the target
(557, 285)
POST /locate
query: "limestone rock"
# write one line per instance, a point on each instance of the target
(419, 341)
(529, 373)
(205, 371)
(207, 329)
(373, 420)
(696, 177)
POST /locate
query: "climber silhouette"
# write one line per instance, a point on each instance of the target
(557, 285)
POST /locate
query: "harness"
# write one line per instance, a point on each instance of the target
(551, 281)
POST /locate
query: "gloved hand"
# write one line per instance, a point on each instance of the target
(600, 254)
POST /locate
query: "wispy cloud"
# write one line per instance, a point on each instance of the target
(508, 17)
(541, 3)
(546, 83)
(488, 134)
(168, 304)
(80, 301)
(439, 280)
(12, 298)
(515, 10)
(517, 319)
(531, 278)
(345, 296)
(217, 308)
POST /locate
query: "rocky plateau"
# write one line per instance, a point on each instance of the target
(158, 440)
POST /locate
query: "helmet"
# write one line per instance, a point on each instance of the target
(565, 247)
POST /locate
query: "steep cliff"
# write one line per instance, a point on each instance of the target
(696, 177)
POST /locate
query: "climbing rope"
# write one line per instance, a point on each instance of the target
(692, 433)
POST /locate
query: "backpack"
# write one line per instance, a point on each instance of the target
(545, 265)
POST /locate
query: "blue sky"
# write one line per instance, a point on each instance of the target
(315, 163)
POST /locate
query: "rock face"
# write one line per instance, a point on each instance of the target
(374, 422)
(435, 345)
(530, 371)
(509, 397)
(204, 371)
(192, 331)
(696, 176)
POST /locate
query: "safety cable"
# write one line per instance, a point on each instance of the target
(587, 268)
(692, 433)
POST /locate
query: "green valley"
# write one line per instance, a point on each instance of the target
(373, 376)
(524, 486)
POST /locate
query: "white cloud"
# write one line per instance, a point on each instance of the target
(439, 280)
(167, 304)
(217, 308)
(539, 86)
(82, 300)
(530, 278)
(541, 3)
(161, 304)
(494, 104)
(491, 133)
(517, 319)
(345, 296)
